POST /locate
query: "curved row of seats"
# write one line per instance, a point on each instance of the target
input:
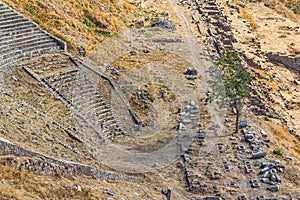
(78, 89)
(19, 37)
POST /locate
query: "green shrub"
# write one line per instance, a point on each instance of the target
(31, 11)
(151, 98)
(87, 22)
(266, 118)
(148, 35)
(278, 152)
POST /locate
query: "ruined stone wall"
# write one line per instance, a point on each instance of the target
(44, 165)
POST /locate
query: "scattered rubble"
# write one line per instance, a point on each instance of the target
(269, 172)
(164, 24)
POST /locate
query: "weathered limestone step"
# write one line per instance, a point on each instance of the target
(26, 43)
(9, 14)
(10, 37)
(28, 48)
(89, 104)
(103, 113)
(21, 38)
(18, 32)
(9, 17)
(5, 12)
(11, 30)
(63, 79)
(2, 8)
(87, 92)
(16, 26)
(43, 48)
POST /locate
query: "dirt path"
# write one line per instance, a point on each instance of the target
(217, 114)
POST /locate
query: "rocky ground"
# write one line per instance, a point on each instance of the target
(183, 144)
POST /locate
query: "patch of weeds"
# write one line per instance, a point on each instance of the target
(126, 90)
(278, 152)
(105, 34)
(154, 20)
(114, 1)
(115, 35)
(37, 20)
(157, 29)
(266, 118)
(151, 98)
(87, 22)
(31, 11)
(126, 23)
(148, 35)
(296, 10)
(48, 29)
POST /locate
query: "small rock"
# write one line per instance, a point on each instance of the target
(191, 71)
(109, 192)
(273, 188)
(165, 24)
(78, 188)
(140, 24)
(244, 123)
(181, 127)
(81, 51)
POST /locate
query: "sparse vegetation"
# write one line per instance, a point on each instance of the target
(231, 83)
(87, 22)
(32, 11)
(248, 17)
(66, 20)
(278, 152)
(266, 118)
(151, 98)
(148, 35)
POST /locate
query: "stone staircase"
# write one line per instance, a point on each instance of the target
(77, 87)
(20, 38)
(74, 85)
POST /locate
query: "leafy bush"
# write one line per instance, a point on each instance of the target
(32, 11)
(87, 22)
(151, 98)
(278, 152)
(267, 118)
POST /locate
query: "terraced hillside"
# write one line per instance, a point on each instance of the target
(71, 123)
(20, 38)
(51, 103)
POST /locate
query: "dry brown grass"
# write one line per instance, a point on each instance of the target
(248, 17)
(19, 184)
(285, 139)
(23, 185)
(65, 18)
(289, 9)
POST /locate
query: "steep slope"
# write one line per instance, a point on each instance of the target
(80, 23)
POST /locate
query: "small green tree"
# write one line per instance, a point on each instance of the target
(230, 83)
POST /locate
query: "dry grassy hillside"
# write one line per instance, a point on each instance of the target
(81, 23)
(21, 184)
(289, 9)
(145, 58)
